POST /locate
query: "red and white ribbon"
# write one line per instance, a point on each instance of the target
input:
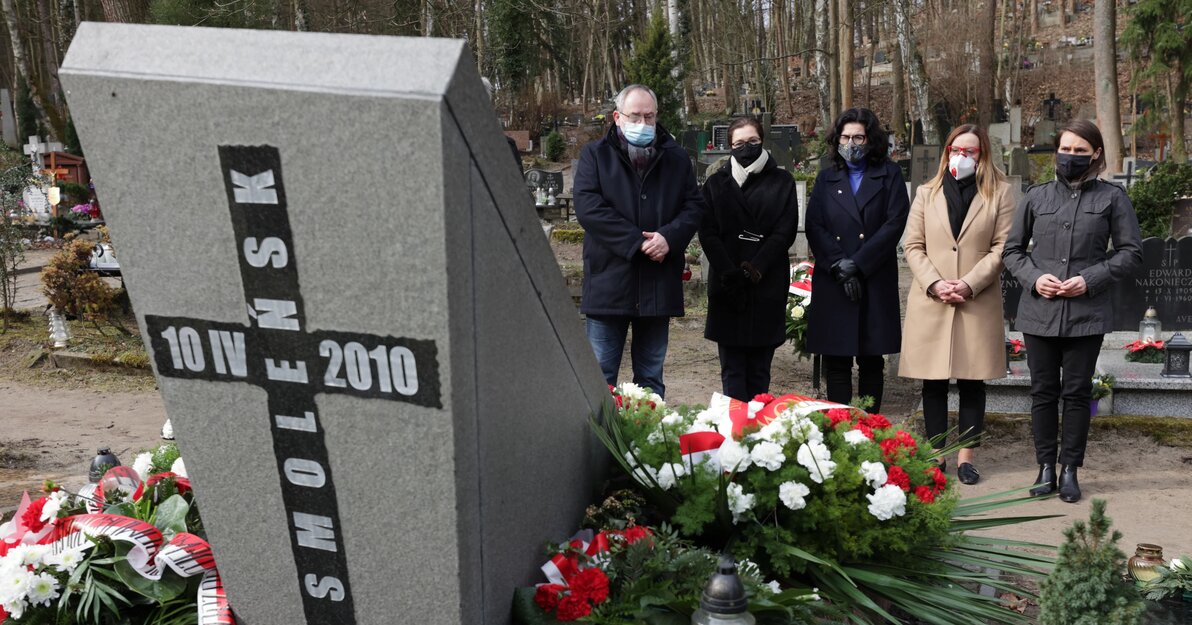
(697, 447)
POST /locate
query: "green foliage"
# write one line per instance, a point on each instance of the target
(653, 65)
(1158, 34)
(1086, 587)
(30, 122)
(554, 146)
(72, 143)
(74, 290)
(164, 457)
(1155, 195)
(1174, 579)
(224, 14)
(513, 42)
(574, 237)
(1103, 385)
(73, 193)
(12, 249)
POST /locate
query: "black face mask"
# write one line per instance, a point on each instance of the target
(747, 154)
(1072, 166)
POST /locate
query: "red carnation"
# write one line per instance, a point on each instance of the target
(925, 494)
(572, 607)
(32, 516)
(907, 441)
(634, 533)
(764, 398)
(890, 449)
(839, 415)
(864, 429)
(876, 421)
(937, 476)
(897, 476)
(590, 583)
(547, 596)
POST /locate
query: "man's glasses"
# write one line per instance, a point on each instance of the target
(740, 144)
(853, 139)
(969, 152)
(635, 118)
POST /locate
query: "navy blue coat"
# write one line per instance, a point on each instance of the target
(615, 206)
(866, 228)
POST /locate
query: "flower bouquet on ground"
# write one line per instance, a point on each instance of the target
(1175, 580)
(1017, 350)
(797, 302)
(821, 495)
(1103, 385)
(1145, 351)
(129, 550)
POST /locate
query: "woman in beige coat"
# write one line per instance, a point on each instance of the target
(953, 329)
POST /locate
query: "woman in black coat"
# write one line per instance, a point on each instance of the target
(855, 217)
(751, 222)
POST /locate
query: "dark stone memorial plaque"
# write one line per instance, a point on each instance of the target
(1165, 282)
(381, 387)
(925, 162)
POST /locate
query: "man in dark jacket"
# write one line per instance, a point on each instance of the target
(637, 199)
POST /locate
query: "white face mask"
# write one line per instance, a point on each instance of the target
(962, 166)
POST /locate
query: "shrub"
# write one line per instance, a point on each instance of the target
(74, 290)
(1154, 196)
(554, 146)
(1086, 586)
(574, 237)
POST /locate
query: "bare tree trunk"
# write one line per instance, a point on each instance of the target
(915, 73)
(822, 69)
(834, 57)
(844, 34)
(1177, 96)
(299, 8)
(125, 11)
(986, 75)
(20, 61)
(1034, 9)
(899, 114)
(1109, 117)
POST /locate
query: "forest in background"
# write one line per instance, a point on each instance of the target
(934, 62)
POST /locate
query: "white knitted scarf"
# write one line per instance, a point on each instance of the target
(741, 173)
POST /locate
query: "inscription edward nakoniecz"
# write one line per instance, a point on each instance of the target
(273, 350)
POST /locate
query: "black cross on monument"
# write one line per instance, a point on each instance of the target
(1171, 255)
(926, 160)
(273, 350)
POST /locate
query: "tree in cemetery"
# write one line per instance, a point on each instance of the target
(12, 247)
(513, 43)
(1105, 69)
(1085, 587)
(653, 64)
(1159, 35)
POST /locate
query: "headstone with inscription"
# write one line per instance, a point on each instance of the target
(925, 162)
(1165, 282)
(381, 388)
(1045, 134)
(1020, 163)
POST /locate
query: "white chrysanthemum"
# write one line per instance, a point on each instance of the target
(855, 437)
(28, 555)
(738, 502)
(669, 474)
(67, 561)
(14, 608)
(816, 458)
(142, 465)
(874, 473)
(178, 468)
(43, 588)
(792, 495)
(767, 455)
(672, 418)
(14, 583)
(734, 456)
(887, 502)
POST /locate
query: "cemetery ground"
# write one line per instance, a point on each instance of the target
(55, 418)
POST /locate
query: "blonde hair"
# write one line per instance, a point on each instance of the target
(988, 175)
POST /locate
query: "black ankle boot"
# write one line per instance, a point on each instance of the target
(1045, 482)
(1069, 487)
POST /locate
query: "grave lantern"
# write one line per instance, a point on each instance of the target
(723, 601)
(1175, 357)
(1150, 329)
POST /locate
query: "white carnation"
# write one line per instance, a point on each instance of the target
(54, 503)
(734, 456)
(178, 468)
(874, 473)
(738, 502)
(887, 502)
(804, 429)
(777, 431)
(669, 474)
(855, 437)
(706, 420)
(42, 589)
(672, 418)
(142, 465)
(816, 458)
(792, 495)
(632, 391)
(767, 455)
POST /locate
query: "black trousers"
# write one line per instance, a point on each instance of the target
(745, 371)
(1061, 367)
(971, 417)
(871, 379)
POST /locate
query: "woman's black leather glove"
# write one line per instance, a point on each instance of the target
(844, 269)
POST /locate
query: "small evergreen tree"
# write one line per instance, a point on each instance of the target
(30, 123)
(554, 147)
(1086, 586)
(653, 65)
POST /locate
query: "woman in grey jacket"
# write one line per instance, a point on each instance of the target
(1067, 311)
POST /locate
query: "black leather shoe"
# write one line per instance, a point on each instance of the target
(942, 464)
(1069, 487)
(1045, 482)
(967, 473)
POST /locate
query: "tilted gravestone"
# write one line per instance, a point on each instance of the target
(371, 362)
